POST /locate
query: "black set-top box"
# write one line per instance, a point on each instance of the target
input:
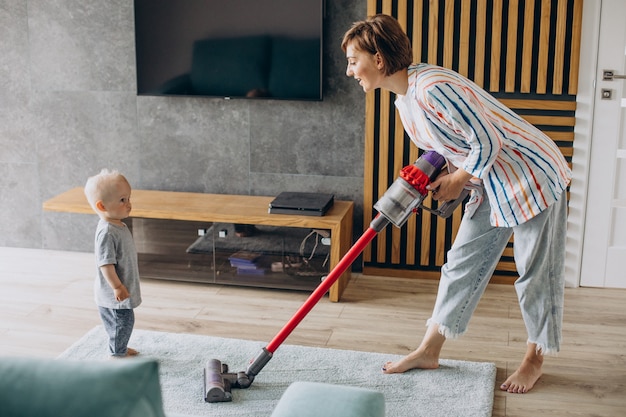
(301, 203)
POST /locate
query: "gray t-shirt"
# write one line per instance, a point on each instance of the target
(114, 245)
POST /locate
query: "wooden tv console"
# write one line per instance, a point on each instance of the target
(223, 208)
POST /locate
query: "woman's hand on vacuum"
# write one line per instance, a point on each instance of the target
(449, 187)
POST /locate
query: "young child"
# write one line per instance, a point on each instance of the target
(117, 290)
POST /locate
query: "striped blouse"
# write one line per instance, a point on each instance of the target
(522, 170)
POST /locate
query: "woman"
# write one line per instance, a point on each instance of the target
(523, 176)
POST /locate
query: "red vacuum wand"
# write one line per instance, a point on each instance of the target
(401, 200)
(319, 292)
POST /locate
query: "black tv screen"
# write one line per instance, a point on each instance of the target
(230, 48)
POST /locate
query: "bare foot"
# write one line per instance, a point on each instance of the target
(129, 352)
(525, 377)
(426, 356)
(414, 360)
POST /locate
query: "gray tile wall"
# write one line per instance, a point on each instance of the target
(68, 107)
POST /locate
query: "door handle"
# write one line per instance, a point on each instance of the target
(609, 75)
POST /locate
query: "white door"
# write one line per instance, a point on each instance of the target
(603, 262)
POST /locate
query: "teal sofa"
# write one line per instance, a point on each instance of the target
(131, 388)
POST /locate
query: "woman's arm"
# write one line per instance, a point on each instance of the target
(462, 125)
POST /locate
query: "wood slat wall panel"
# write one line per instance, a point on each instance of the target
(433, 39)
(520, 104)
(544, 39)
(464, 41)
(481, 34)
(369, 167)
(576, 24)
(559, 47)
(527, 50)
(496, 30)
(383, 156)
(524, 52)
(511, 47)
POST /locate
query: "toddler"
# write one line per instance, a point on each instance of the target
(117, 290)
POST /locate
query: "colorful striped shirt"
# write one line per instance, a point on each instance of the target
(522, 170)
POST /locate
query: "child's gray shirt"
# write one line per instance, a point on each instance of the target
(114, 245)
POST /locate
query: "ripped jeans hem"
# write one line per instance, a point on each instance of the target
(444, 330)
(543, 350)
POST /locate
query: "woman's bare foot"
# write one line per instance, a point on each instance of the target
(426, 356)
(528, 373)
(414, 360)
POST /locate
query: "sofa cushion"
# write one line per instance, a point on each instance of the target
(230, 66)
(316, 399)
(54, 388)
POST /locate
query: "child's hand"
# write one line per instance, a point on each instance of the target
(121, 293)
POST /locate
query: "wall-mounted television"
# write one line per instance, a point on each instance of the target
(230, 48)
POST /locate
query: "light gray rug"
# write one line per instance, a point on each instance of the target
(457, 388)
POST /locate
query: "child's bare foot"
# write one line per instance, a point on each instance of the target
(525, 377)
(129, 352)
(414, 360)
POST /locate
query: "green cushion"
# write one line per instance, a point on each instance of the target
(65, 388)
(316, 399)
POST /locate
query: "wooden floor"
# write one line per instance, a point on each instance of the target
(46, 304)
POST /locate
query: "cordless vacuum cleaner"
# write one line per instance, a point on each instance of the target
(404, 197)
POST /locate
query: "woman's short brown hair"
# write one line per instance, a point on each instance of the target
(383, 34)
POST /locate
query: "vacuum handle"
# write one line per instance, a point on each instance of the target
(446, 209)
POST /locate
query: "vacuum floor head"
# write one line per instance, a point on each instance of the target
(216, 388)
(218, 382)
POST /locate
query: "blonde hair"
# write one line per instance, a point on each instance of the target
(100, 186)
(381, 34)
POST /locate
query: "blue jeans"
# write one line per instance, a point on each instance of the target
(539, 252)
(118, 324)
